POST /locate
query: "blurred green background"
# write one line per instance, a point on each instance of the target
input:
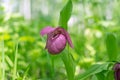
(20, 25)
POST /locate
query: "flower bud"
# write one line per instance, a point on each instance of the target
(117, 71)
(56, 39)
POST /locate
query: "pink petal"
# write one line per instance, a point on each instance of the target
(46, 30)
(68, 39)
(67, 36)
(49, 41)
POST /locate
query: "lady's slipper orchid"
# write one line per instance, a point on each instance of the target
(117, 71)
(56, 39)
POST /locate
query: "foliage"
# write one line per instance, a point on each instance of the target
(94, 27)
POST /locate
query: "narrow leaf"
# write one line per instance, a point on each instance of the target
(93, 70)
(15, 62)
(111, 45)
(69, 65)
(110, 75)
(26, 72)
(100, 75)
(65, 14)
(94, 77)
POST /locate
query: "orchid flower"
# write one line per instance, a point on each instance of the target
(56, 39)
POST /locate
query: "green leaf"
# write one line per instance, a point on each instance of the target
(97, 68)
(111, 45)
(94, 77)
(100, 76)
(69, 65)
(65, 14)
(110, 75)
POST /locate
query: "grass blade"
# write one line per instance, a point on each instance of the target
(26, 72)
(15, 62)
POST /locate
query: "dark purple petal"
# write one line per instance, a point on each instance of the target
(117, 71)
(49, 40)
(46, 30)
